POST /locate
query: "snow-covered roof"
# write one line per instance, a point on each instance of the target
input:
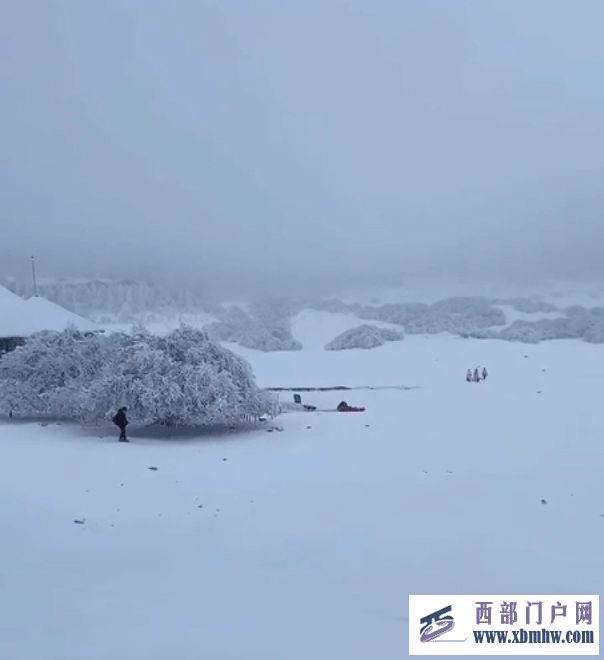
(22, 318)
(8, 298)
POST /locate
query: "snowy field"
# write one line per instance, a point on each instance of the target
(305, 542)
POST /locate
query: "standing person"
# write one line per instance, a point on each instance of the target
(120, 421)
(469, 375)
(484, 373)
(476, 375)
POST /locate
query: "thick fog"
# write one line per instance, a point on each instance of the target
(257, 147)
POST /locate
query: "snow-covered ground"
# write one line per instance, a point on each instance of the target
(307, 541)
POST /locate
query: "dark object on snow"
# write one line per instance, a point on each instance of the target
(344, 407)
(119, 419)
(153, 468)
(543, 502)
(80, 522)
(307, 407)
(297, 398)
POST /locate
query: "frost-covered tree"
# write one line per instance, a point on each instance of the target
(185, 378)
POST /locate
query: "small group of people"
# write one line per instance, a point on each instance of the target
(476, 375)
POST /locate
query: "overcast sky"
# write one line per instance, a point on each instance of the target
(250, 146)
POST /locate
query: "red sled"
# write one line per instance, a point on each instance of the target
(344, 407)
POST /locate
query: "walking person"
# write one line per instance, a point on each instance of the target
(476, 375)
(484, 373)
(469, 375)
(119, 419)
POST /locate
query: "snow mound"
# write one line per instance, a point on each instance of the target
(364, 336)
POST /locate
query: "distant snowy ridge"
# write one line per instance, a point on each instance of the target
(266, 325)
(113, 300)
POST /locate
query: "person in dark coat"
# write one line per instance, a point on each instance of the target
(120, 421)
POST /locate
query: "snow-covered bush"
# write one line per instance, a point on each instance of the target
(527, 306)
(232, 321)
(364, 336)
(578, 323)
(480, 333)
(462, 305)
(399, 314)
(522, 331)
(267, 338)
(274, 311)
(185, 378)
(271, 334)
(455, 315)
(595, 334)
(333, 305)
